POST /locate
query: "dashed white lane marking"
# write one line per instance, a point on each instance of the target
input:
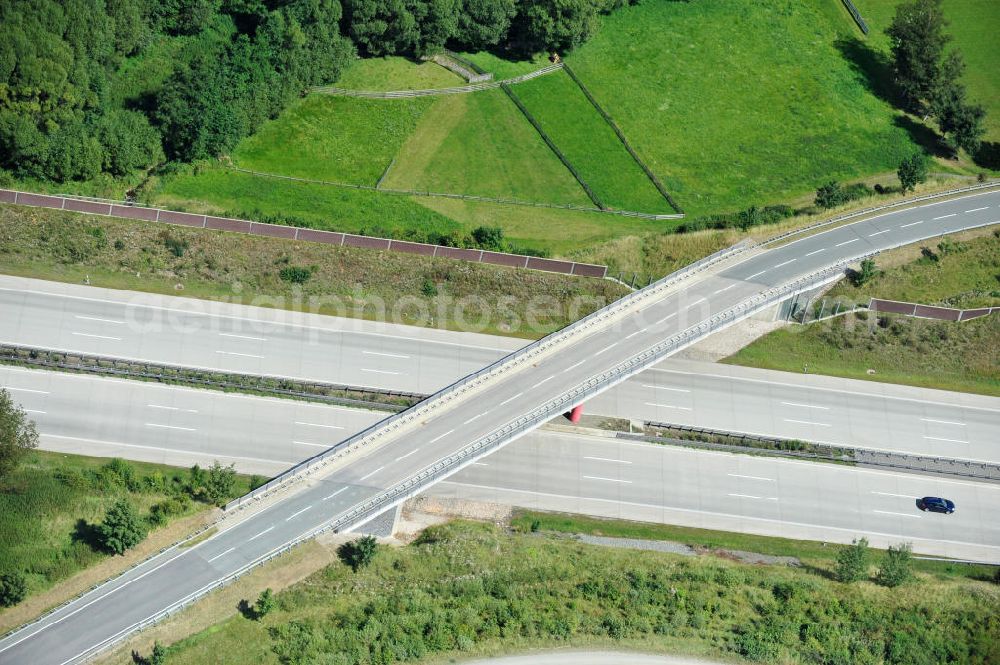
(480, 464)
(544, 380)
(739, 475)
(785, 263)
(221, 555)
(945, 216)
(878, 233)
(114, 339)
(943, 422)
(94, 318)
(367, 476)
(938, 438)
(41, 413)
(475, 417)
(299, 422)
(441, 436)
(697, 302)
(171, 408)
(270, 528)
(244, 355)
(889, 512)
(902, 496)
(250, 337)
(724, 289)
(296, 514)
(807, 422)
(606, 459)
(412, 452)
(330, 496)
(379, 371)
(607, 348)
(510, 399)
(314, 445)
(757, 274)
(676, 390)
(906, 226)
(608, 480)
(976, 209)
(668, 406)
(751, 496)
(631, 335)
(183, 429)
(806, 406)
(667, 317)
(846, 242)
(387, 355)
(27, 390)
(816, 252)
(574, 366)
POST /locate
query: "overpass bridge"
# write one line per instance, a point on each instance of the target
(360, 478)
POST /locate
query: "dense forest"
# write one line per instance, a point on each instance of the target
(222, 67)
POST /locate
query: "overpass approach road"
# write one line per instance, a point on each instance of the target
(409, 452)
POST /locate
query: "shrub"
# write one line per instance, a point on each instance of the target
(852, 562)
(358, 553)
(256, 481)
(176, 246)
(896, 566)
(861, 277)
(295, 274)
(13, 589)
(122, 528)
(428, 288)
(912, 171)
(265, 603)
(220, 482)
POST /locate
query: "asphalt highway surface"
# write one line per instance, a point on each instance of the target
(105, 614)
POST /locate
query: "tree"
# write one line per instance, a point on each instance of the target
(852, 562)
(912, 171)
(358, 553)
(484, 23)
(830, 195)
(129, 141)
(896, 566)
(265, 603)
(13, 589)
(220, 482)
(960, 121)
(917, 40)
(122, 528)
(868, 271)
(18, 435)
(555, 25)
(381, 27)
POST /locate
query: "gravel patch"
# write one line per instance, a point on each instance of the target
(672, 547)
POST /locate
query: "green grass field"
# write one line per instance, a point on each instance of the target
(394, 73)
(974, 27)
(339, 139)
(933, 354)
(481, 144)
(590, 144)
(739, 103)
(505, 69)
(465, 589)
(49, 504)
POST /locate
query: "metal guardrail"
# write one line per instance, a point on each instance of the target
(509, 361)
(867, 211)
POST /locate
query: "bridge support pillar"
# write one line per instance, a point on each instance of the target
(574, 415)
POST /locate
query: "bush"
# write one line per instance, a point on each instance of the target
(896, 566)
(13, 589)
(861, 277)
(122, 528)
(912, 171)
(295, 274)
(176, 246)
(219, 483)
(358, 553)
(265, 603)
(852, 562)
(833, 194)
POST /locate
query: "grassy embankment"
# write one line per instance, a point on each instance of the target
(934, 354)
(464, 589)
(50, 504)
(122, 254)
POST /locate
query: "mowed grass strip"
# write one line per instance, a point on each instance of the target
(481, 144)
(580, 132)
(739, 103)
(396, 73)
(339, 139)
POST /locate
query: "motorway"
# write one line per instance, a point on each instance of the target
(195, 333)
(104, 615)
(147, 421)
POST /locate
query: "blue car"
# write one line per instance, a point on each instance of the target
(936, 504)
